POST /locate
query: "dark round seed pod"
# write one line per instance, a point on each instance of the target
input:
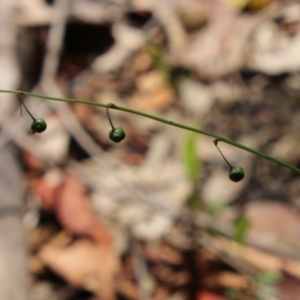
(236, 174)
(38, 125)
(117, 134)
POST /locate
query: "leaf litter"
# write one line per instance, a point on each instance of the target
(114, 222)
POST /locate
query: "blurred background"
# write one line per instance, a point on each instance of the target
(155, 216)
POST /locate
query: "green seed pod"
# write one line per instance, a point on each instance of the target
(117, 134)
(236, 174)
(38, 125)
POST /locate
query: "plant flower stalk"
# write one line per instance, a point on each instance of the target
(162, 120)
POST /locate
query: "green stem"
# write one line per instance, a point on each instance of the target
(132, 111)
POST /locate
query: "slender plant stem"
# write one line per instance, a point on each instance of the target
(20, 95)
(139, 113)
(109, 119)
(228, 163)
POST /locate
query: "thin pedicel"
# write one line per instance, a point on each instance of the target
(236, 174)
(38, 125)
(116, 134)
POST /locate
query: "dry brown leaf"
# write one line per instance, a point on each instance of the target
(206, 295)
(289, 288)
(46, 188)
(35, 265)
(220, 47)
(71, 206)
(75, 213)
(33, 12)
(226, 280)
(149, 81)
(84, 264)
(159, 98)
(32, 162)
(260, 260)
(276, 44)
(274, 226)
(163, 253)
(142, 62)
(128, 289)
(279, 220)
